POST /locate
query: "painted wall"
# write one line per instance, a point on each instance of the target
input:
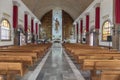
(6, 11)
(106, 13)
(84, 28)
(92, 18)
(22, 9)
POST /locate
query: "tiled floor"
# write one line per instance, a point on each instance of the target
(56, 65)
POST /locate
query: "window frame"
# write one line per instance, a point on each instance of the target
(109, 33)
(1, 30)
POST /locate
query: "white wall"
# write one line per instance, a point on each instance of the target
(6, 6)
(22, 10)
(92, 18)
(106, 9)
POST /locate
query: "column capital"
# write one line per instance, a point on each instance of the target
(97, 5)
(81, 19)
(87, 13)
(37, 22)
(77, 23)
(26, 12)
(15, 3)
(32, 18)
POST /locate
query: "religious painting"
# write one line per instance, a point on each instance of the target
(57, 24)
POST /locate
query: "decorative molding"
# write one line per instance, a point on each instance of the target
(105, 17)
(92, 21)
(97, 5)
(81, 18)
(21, 20)
(87, 13)
(16, 3)
(26, 12)
(37, 22)
(6, 15)
(32, 18)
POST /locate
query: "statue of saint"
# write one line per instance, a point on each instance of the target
(56, 25)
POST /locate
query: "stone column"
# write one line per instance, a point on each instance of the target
(36, 25)
(87, 28)
(32, 30)
(116, 31)
(15, 22)
(96, 37)
(81, 30)
(26, 25)
(77, 31)
(97, 24)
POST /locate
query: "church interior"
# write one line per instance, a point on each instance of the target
(59, 40)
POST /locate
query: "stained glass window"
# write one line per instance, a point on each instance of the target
(106, 30)
(5, 30)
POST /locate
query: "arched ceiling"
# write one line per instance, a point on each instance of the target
(72, 7)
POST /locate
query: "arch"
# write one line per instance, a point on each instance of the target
(106, 30)
(5, 30)
(51, 7)
(46, 21)
(74, 8)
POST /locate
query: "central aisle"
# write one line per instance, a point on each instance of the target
(56, 66)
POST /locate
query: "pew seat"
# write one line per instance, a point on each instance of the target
(12, 66)
(24, 59)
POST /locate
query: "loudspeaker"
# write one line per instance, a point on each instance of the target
(109, 38)
(84, 39)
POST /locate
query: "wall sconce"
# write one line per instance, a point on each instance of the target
(84, 31)
(94, 30)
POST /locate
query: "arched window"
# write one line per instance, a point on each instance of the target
(5, 30)
(106, 30)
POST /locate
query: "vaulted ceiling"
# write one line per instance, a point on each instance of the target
(73, 7)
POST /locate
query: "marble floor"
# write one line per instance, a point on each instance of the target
(56, 65)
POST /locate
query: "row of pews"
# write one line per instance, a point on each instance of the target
(96, 59)
(17, 59)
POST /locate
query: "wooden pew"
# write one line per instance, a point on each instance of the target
(33, 55)
(11, 66)
(98, 54)
(21, 50)
(24, 59)
(96, 58)
(100, 57)
(91, 64)
(40, 52)
(15, 57)
(110, 75)
(75, 52)
(102, 65)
